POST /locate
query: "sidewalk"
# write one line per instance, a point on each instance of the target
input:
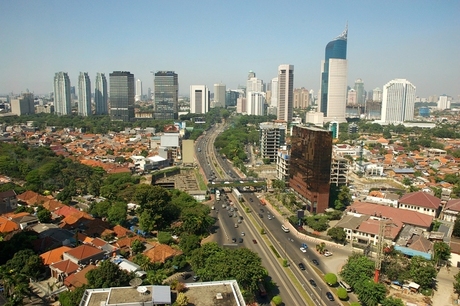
(444, 295)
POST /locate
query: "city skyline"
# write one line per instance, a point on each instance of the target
(412, 42)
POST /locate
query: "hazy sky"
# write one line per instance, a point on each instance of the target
(207, 42)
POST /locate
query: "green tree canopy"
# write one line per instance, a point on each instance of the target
(108, 275)
(391, 301)
(370, 293)
(337, 234)
(331, 279)
(358, 269)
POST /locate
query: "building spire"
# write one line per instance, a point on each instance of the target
(344, 34)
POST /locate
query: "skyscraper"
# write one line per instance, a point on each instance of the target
(100, 94)
(138, 96)
(352, 97)
(255, 102)
(166, 87)
(333, 95)
(310, 166)
(254, 84)
(62, 99)
(443, 102)
(84, 95)
(301, 98)
(285, 92)
(274, 89)
(23, 105)
(360, 93)
(122, 96)
(398, 101)
(219, 95)
(199, 99)
(377, 95)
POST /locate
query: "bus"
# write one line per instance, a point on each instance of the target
(237, 194)
(345, 286)
(217, 194)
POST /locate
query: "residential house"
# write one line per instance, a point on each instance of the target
(62, 269)
(78, 279)
(8, 201)
(7, 226)
(54, 255)
(421, 202)
(161, 252)
(84, 254)
(451, 210)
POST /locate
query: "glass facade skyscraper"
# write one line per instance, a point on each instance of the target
(62, 98)
(84, 95)
(334, 79)
(122, 96)
(100, 94)
(166, 95)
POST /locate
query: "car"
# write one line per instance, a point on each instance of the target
(240, 240)
(254, 241)
(260, 215)
(243, 233)
(304, 250)
(315, 262)
(329, 296)
(251, 200)
(301, 266)
(262, 210)
(270, 217)
(233, 240)
(312, 282)
(327, 253)
(195, 278)
(186, 275)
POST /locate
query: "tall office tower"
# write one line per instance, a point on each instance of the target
(312, 97)
(351, 97)
(251, 74)
(166, 95)
(333, 95)
(377, 95)
(231, 96)
(301, 98)
(84, 95)
(360, 93)
(100, 95)
(138, 96)
(255, 103)
(241, 105)
(310, 166)
(219, 95)
(199, 99)
(254, 84)
(398, 101)
(443, 102)
(62, 98)
(285, 92)
(274, 89)
(122, 96)
(272, 137)
(23, 105)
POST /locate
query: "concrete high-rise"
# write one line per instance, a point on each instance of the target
(100, 95)
(166, 87)
(285, 92)
(333, 91)
(301, 98)
(62, 98)
(274, 90)
(122, 96)
(254, 84)
(23, 105)
(398, 101)
(138, 96)
(255, 103)
(310, 166)
(360, 93)
(199, 99)
(219, 95)
(377, 95)
(84, 95)
(272, 137)
(443, 102)
(352, 97)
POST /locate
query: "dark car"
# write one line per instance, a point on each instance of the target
(254, 241)
(240, 240)
(233, 240)
(301, 266)
(186, 275)
(260, 215)
(329, 296)
(251, 200)
(315, 262)
(195, 278)
(262, 210)
(312, 282)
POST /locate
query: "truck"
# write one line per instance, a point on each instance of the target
(237, 194)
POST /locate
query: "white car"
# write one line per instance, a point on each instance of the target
(304, 250)
(327, 254)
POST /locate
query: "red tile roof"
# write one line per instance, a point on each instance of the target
(66, 211)
(7, 226)
(78, 279)
(421, 199)
(372, 226)
(55, 255)
(453, 205)
(161, 252)
(83, 251)
(402, 215)
(120, 231)
(65, 266)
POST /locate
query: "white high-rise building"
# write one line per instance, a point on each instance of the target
(443, 102)
(254, 84)
(62, 100)
(285, 92)
(377, 95)
(255, 102)
(398, 101)
(100, 95)
(352, 97)
(138, 96)
(84, 95)
(199, 99)
(219, 95)
(274, 98)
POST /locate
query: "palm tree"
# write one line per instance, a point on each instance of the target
(321, 248)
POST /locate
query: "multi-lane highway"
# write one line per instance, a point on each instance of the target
(237, 228)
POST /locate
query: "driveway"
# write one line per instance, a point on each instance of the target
(444, 295)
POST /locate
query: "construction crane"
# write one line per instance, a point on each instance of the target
(383, 225)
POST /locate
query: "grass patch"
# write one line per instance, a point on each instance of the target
(275, 251)
(201, 184)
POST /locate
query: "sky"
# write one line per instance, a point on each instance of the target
(208, 42)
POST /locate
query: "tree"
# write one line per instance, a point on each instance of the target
(422, 271)
(457, 283)
(164, 237)
(72, 298)
(137, 247)
(370, 293)
(331, 279)
(107, 275)
(321, 248)
(26, 262)
(342, 293)
(188, 243)
(391, 301)
(456, 230)
(116, 214)
(358, 269)
(277, 300)
(43, 214)
(337, 234)
(182, 299)
(441, 251)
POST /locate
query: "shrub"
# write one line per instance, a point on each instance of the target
(342, 293)
(277, 300)
(331, 279)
